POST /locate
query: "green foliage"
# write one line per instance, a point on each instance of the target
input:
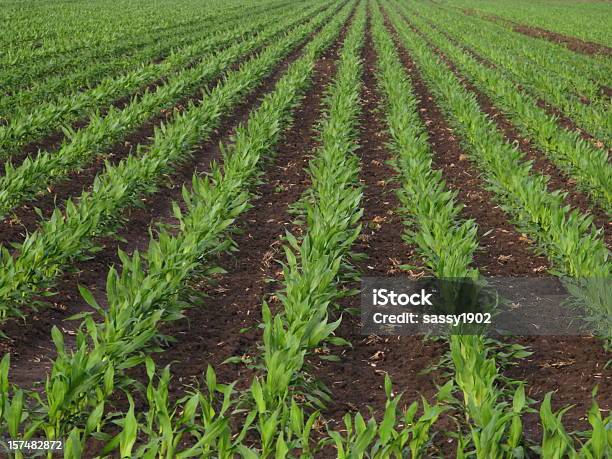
(146, 292)
(566, 236)
(581, 160)
(278, 413)
(398, 435)
(68, 235)
(45, 118)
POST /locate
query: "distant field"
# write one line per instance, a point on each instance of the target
(195, 192)
(587, 20)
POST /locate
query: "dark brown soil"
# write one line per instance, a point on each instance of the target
(569, 366)
(574, 44)
(30, 344)
(541, 164)
(552, 354)
(24, 218)
(356, 382)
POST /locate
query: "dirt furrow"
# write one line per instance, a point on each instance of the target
(541, 164)
(579, 358)
(30, 344)
(24, 218)
(356, 381)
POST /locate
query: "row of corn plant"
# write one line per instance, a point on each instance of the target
(101, 58)
(51, 86)
(584, 21)
(595, 68)
(331, 211)
(200, 424)
(447, 244)
(196, 425)
(581, 160)
(494, 410)
(573, 94)
(274, 437)
(223, 443)
(103, 131)
(313, 273)
(27, 71)
(18, 54)
(554, 89)
(149, 289)
(471, 359)
(66, 236)
(48, 117)
(567, 237)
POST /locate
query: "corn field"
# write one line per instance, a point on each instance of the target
(194, 193)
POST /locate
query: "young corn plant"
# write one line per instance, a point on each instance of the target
(557, 443)
(196, 425)
(147, 292)
(430, 211)
(568, 238)
(67, 236)
(313, 266)
(30, 126)
(398, 435)
(78, 80)
(495, 425)
(76, 61)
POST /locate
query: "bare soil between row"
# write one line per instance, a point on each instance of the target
(24, 218)
(213, 331)
(572, 43)
(30, 343)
